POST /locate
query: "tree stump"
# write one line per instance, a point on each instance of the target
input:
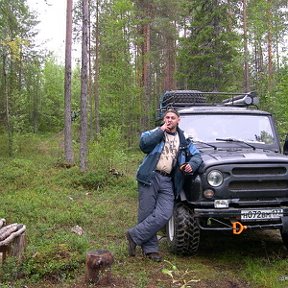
(12, 241)
(15, 248)
(98, 266)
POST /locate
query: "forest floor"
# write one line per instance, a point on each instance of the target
(36, 190)
(214, 272)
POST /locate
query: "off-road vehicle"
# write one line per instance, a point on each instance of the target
(243, 180)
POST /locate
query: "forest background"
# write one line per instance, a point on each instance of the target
(136, 50)
(132, 51)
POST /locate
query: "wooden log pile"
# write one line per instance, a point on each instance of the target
(12, 240)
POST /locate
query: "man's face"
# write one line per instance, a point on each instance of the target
(171, 120)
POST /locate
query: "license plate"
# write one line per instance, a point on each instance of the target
(261, 214)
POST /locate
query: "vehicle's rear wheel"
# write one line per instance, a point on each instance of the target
(183, 233)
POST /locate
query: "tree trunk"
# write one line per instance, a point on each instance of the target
(90, 80)
(68, 121)
(246, 53)
(146, 71)
(84, 79)
(169, 81)
(96, 79)
(9, 128)
(269, 44)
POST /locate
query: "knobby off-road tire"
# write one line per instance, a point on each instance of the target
(284, 231)
(183, 97)
(284, 238)
(182, 231)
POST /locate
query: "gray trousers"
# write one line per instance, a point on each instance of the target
(156, 204)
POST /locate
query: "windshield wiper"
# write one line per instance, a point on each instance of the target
(210, 145)
(236, 141)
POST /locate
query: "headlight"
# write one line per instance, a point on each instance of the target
(215, 178)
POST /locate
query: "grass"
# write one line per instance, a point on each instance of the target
(36, 190)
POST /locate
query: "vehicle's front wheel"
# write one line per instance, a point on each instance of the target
(182, 231)
(284, 235)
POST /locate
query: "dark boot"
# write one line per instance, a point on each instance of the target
(131, 245)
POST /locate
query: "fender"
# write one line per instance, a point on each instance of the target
(192, 188)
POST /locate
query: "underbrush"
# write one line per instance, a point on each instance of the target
(38, 191)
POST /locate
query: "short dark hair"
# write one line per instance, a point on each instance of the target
(172, 110)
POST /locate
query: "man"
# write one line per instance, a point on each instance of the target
(160, 181)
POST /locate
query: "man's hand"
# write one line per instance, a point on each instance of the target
(164, 127)
(186, 168)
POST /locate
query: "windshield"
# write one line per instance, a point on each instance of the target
(249, 128)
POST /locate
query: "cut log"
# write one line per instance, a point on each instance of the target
(98, 266)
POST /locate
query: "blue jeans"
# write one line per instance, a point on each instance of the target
(156, 202)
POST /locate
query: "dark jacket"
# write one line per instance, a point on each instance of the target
(152, 143)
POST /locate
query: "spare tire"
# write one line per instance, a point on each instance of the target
(178, 97)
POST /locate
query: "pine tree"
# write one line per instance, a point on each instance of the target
(67, 86)
(16, 24)
(206, 56)
(83, 99)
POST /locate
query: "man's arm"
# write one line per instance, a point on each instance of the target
(195, 161)
(149, 139)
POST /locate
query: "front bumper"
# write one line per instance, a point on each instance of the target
(225, 219)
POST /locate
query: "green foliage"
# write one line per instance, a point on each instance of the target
(259, 271)
(16, 51)
(207, 57)
(18, 173)
(182, 279)
(52, 112)
(109, 150)
(9, 271)
(280, 102)
(118, 93)
(60, 261)
(92, 180)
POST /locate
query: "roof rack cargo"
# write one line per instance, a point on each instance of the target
(187, 98)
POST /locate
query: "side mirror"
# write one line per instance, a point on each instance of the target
(285, 146)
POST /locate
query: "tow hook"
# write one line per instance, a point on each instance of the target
(238, 228)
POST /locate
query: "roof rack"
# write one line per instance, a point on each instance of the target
(187, 98)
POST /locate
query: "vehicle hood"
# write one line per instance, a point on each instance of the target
(216, 157)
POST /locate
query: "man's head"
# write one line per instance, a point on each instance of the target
(172, 110)
(171, 119)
